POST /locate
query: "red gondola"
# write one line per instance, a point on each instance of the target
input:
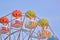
(16, 13)
(4, 20)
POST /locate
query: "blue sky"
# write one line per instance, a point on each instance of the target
(49, 9)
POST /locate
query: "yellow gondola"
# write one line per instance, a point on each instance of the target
(30, 14)
(43, 22)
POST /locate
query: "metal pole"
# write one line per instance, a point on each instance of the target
(0, 37)
(18, 36)
(10, 28)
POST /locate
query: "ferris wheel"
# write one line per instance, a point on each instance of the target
(25, 26)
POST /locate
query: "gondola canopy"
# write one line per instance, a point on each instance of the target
(16, 13)
(43, 22)
(4, 20)
(30, 14)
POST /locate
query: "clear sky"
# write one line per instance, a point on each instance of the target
(49, 9)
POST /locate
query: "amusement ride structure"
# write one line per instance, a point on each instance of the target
(25, 26)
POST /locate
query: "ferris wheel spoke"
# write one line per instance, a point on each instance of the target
(12, 34)
(18, 36)
(0, 37)
(31, 34)
(51, 30)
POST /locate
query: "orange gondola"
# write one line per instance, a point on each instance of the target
(44, 34)
(17, 23)
(16, 13)
(4, 30)
(31, 25)
(4, 20)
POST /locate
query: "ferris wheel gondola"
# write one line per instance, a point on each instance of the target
(4, 30)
